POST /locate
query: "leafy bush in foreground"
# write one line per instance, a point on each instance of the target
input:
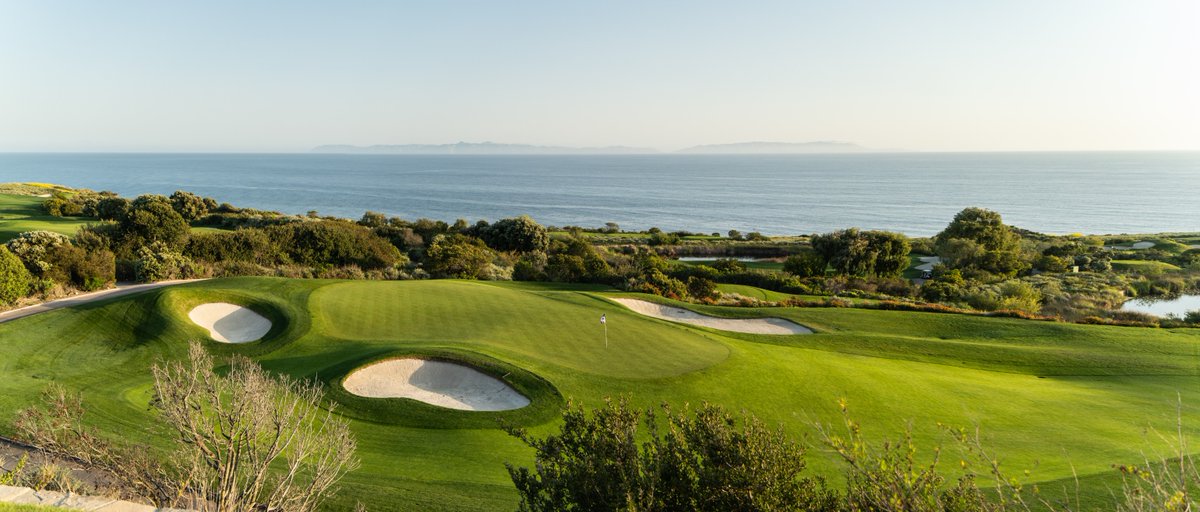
(706, 461)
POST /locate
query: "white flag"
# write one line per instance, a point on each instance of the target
(603, 320)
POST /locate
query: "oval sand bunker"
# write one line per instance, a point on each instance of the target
(230, 323)
(750, 325)
(439, 383)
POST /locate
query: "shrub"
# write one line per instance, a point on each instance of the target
(657, 283)
(14, 277)
(157, 262)
(458, 256)
(700, 288)
(706, 461)
(336, 243)
(805, 264)
(86, 270)
(519, 234)
(863, 253)
(152, 218)
(191, 206)
(32, 247)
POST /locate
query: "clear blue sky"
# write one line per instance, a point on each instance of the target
(289, 75)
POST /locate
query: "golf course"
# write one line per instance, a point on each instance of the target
(1053, 398)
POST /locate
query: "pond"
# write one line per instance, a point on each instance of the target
(1163, 307)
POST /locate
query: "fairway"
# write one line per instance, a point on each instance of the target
(1048, 396)
(19, 214)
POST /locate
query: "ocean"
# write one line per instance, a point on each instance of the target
(914, 193)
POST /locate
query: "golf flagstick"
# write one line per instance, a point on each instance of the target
(604, 322)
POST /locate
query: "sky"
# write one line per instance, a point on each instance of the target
(285, 76)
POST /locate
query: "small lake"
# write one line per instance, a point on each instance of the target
(1164, 307)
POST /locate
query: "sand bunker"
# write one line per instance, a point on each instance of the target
(230, 323)
(927, 263)
(750, 325)
(1136, 246)
(439, 383)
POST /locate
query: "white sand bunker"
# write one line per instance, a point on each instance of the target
(230, 323)
(1136, 246)
(750, 325)
(449, 385)
(927, 263)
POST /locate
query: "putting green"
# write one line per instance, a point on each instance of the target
(1049, 397)
(559, 328)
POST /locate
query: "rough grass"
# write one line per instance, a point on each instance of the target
(1142, 266)
(19, 213)
(1049, 397)
(12, 507)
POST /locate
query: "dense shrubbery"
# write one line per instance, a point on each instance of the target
(978, 243)
(14, 277)
(863, 253)
(618, 458)
(987, 265)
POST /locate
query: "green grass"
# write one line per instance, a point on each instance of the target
(12, 507)
(1143, 266)
(1049, 397)
(209, 229)
(19, 214)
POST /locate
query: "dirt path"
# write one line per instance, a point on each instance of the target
(119, 291)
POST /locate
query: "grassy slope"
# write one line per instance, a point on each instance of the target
(19, 214)
(1142, 266)
(12, 507)
(1039, 390)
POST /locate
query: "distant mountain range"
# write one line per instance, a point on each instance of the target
(492, 148)
(479, 148)
(774, 148)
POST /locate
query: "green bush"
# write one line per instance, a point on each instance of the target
(32, 247)
(703, 461)
(805, 264)
(519, 234)
(14, 277)
(87, 271)
(158, 262)
(458, 256)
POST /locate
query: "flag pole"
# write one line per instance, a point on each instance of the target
(604, 322)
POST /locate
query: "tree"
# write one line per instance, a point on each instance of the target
(331, 242)
(520, 234)
(706, 461)
(32, 247)
(112, 208)
(244, 440)
(189, 206)
(805, 264)
(233, 428)
(458, 256)
(863, 253)
(978, 240)
(701, 288)
(14, 277)
(152, 218)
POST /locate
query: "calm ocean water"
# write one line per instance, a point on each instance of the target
(916, 193)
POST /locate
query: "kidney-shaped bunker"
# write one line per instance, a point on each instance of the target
(439, 383)
(230, 323)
